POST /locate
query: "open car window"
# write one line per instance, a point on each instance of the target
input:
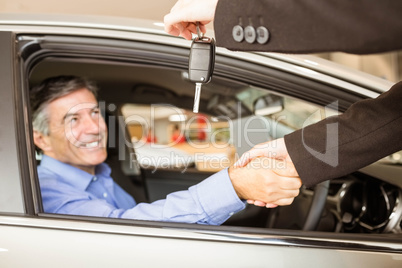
(157, 145)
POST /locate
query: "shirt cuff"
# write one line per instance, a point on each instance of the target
(218, 197)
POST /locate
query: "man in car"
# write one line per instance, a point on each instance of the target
(70, 131)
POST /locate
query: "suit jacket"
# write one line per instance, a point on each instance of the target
(370, 129)
(307, 26)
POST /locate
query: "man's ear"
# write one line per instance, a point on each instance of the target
(41, 141)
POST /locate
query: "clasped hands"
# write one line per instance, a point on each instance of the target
(266, 176)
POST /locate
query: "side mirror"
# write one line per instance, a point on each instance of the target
(268, 104)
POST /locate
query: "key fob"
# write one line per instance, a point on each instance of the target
(202, 60)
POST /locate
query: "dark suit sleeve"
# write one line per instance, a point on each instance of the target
(309, 26)
(368, 131)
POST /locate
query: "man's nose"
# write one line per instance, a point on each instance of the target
(91, 125)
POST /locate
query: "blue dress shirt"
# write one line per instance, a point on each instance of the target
(68, 190)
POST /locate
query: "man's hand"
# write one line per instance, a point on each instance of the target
(275, 149)
(183, 16)
(268, 180)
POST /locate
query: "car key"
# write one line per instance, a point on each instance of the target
(201, 63)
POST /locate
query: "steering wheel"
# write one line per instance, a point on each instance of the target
(317, 206)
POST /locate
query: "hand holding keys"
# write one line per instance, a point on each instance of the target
(201, 63)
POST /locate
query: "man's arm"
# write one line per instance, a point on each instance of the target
(212, 201)
(368, 131)
(295, 26)
(303, 26)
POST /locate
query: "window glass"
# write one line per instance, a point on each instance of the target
(169, 137)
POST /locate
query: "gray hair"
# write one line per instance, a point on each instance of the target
(49, 90)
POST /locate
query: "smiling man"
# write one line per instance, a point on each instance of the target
(78, 131)
(70, 131)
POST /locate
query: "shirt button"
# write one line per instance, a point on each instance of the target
(249, 33)
(104, 195)
(94, 178)
(231, 213)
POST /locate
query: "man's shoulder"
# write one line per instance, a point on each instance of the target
(47, 177)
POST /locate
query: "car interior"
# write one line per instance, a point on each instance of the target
(144, 91)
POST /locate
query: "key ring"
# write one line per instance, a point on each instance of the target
(199, 33)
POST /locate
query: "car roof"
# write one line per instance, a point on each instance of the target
(84, 21)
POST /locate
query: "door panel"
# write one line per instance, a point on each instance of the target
(10, 184)
(85, 244)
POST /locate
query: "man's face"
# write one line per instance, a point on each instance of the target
(78, 132)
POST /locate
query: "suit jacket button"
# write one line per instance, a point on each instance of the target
(249, 33)
(238, 33)
(262, 35)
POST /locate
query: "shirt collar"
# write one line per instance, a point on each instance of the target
(73, 176)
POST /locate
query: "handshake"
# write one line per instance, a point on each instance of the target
(266, 176)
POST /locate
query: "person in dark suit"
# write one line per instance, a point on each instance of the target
(370, 129)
